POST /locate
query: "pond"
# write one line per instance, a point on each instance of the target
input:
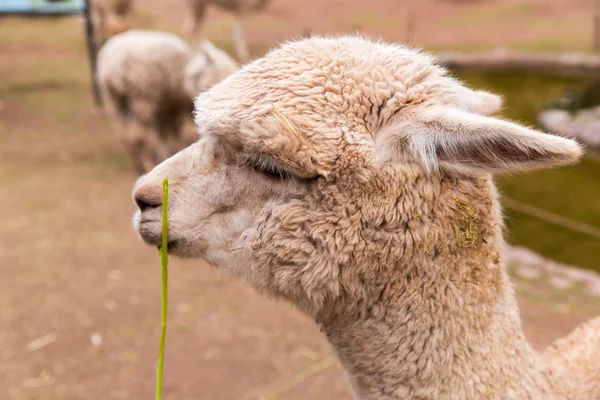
(572, 192)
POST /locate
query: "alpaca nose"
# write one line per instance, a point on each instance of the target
(147, 197)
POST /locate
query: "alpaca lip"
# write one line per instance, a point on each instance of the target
(150, 231)
(156, 241)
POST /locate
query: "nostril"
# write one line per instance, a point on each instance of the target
(145, 200)
(142, 205)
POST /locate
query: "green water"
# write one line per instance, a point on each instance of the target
(573, 192)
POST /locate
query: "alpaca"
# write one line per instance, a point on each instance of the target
(109, 17)
(354, 179)
(194, 23)
(149, 80)
(140, 74)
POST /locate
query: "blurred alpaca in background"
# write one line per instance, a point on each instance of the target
(194, 24)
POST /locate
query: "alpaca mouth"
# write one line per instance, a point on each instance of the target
(153, 238)
(150, 232)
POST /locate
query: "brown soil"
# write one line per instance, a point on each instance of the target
(76, 276)
(546, 25)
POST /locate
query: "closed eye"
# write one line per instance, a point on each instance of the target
(268, 168)
(272, 170)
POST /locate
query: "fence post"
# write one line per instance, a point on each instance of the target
(92, 50)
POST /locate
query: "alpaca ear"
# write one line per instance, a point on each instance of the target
(479, 101)
(446, 137)
(207, 48)
(490, 103)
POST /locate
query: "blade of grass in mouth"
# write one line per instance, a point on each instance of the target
(164, 262)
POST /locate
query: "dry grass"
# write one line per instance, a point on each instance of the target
(299, 378)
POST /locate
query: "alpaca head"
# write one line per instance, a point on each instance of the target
(314, 161)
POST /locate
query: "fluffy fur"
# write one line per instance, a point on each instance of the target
(149, 80)
(194, 22)
(353, 179)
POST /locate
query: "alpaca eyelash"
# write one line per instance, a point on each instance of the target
(265, 166)
(268, 168)
(273, 171)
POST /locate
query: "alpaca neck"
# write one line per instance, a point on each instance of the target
(438, 348)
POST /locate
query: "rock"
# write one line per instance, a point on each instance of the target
(530, 265)
(556, 121)
(561, 282)
(96, 339)
(529, 272)
(584, 125)
(591, 134)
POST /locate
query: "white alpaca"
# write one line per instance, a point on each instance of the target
(149, 80)
(194, 23)
(354, 179)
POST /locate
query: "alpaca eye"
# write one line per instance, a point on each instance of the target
(268, 168)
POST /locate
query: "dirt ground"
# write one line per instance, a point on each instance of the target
(80, 293)
(528, 25)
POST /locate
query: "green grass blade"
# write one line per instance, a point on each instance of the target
(164, 262)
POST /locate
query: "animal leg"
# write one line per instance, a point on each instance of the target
(193, 24)
(142, 137)
(97, 15)
(239, 39)
(134, 134)
(146, 148)
(171, 129)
